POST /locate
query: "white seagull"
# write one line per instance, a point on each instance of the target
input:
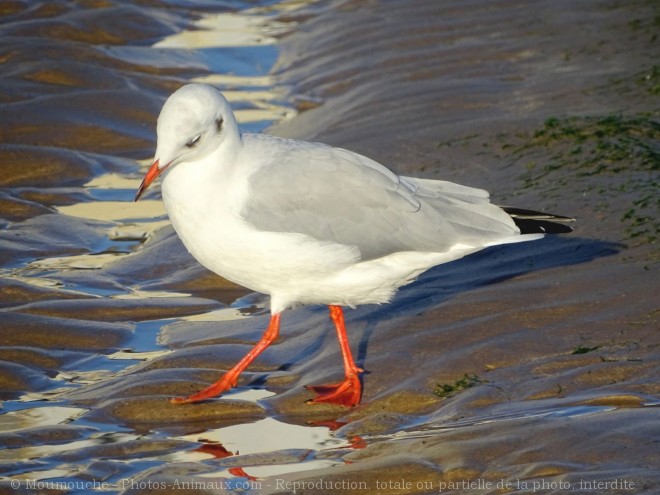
(308, 223)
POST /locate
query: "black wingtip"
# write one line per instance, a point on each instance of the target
(537, 222)
(531, 226)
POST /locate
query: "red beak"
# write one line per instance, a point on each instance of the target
(150, 176)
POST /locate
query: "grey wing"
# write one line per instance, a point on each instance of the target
(335, 195)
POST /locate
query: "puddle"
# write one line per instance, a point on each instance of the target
(272, 436)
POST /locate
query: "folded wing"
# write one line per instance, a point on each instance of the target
(338, 196)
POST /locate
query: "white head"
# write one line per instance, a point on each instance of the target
(195, 121)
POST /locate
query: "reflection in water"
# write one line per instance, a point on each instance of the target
(224, 314)
(249, 87)
(236, 29)
(76, 262)
(296, 443)
(148, 294)
(268, 435)
(42, 416)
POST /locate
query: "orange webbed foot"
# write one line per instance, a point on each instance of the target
(346, 393)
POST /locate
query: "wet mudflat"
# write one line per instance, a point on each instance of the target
(521, 368)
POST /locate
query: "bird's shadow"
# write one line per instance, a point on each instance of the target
(490, 266)
(443, 282)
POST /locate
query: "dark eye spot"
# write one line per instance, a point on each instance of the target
(218, 124)
(193, 142)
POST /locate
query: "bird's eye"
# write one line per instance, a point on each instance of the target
(193, 142)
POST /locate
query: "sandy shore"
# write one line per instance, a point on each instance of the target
(532, 102)
(522, 368)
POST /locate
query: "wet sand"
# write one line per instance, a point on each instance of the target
(549, 350)
(515, 98)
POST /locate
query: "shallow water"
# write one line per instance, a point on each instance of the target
(104, 315)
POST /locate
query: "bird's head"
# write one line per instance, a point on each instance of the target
(195, 121)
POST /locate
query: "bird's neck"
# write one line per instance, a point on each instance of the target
(201, 184)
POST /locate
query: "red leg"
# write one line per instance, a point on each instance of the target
(229, 379)
(349, 391)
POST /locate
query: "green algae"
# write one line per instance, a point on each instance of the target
(449, 389)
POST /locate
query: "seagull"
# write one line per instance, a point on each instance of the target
(307, 223)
